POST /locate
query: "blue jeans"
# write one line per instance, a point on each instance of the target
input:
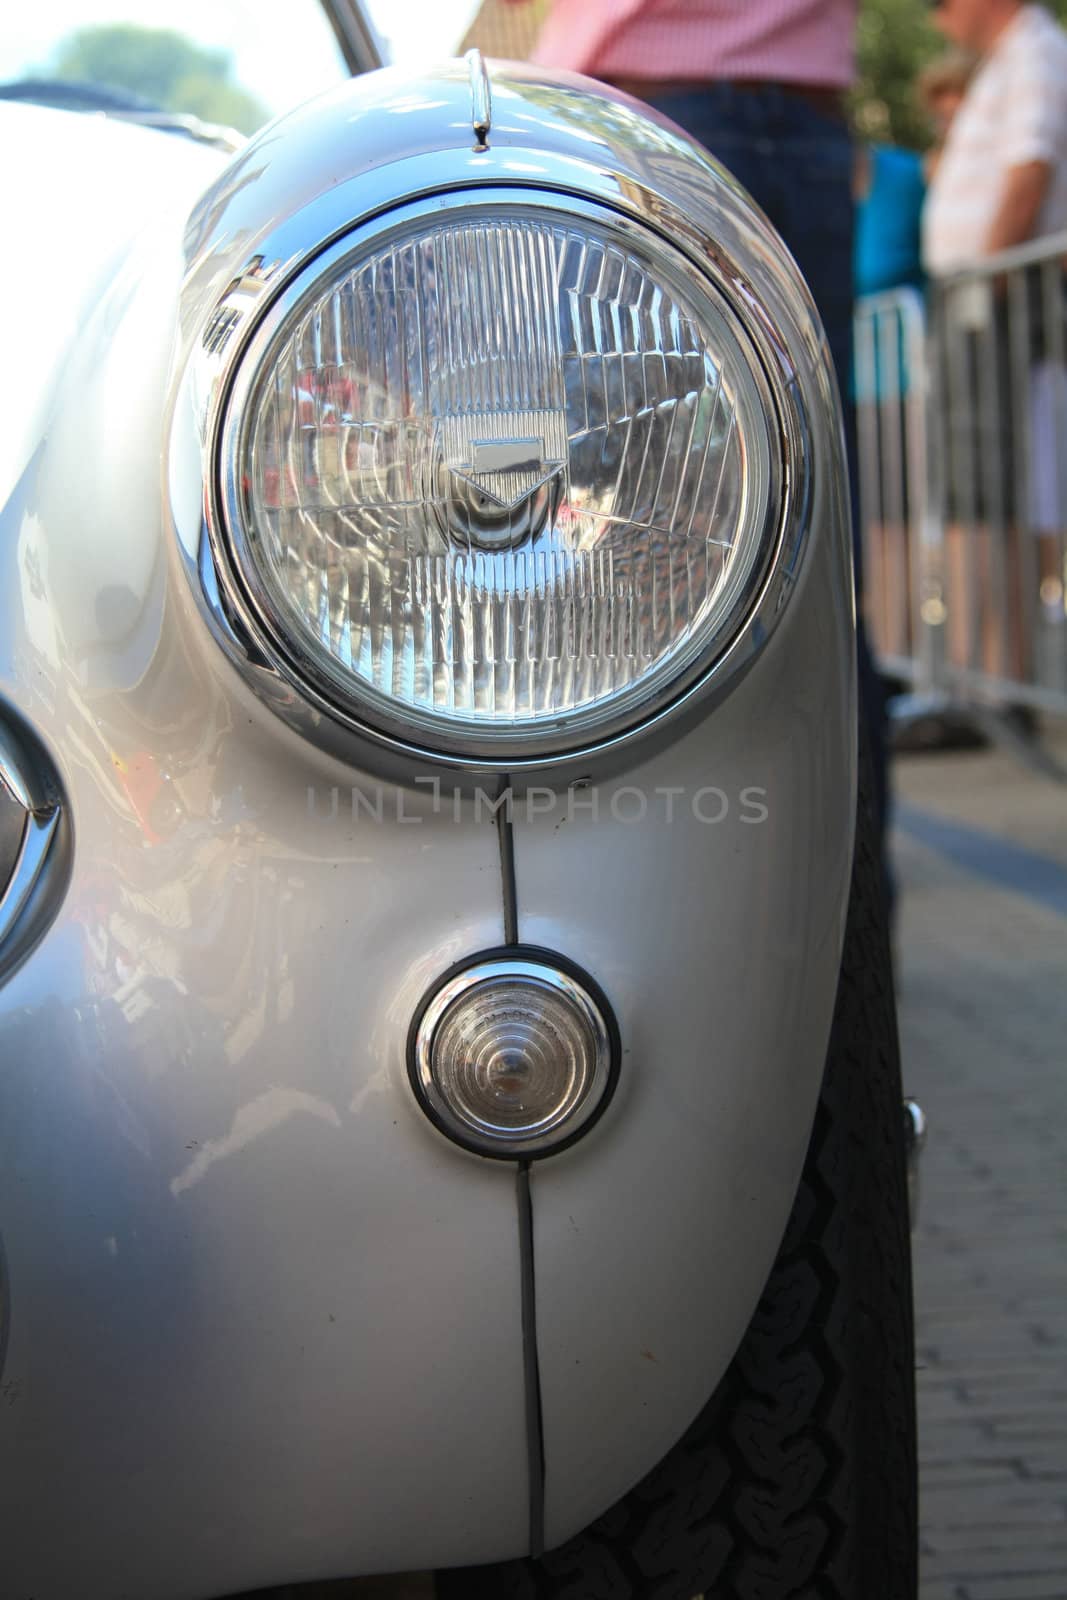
(796, 162)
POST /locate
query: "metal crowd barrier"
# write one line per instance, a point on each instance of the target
(961, 409)
(901, 532)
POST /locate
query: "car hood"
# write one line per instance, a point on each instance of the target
(79, 190)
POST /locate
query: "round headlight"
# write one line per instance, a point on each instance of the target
(500, 482)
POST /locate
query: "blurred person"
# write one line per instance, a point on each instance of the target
(1002, 176)
(1000, 182)
(763, 85)
(889, 189)
(941, 88)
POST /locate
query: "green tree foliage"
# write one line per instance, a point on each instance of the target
(895, 40)
(163, 67)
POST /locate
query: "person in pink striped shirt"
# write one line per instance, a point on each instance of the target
(744, 41)
(762, 84)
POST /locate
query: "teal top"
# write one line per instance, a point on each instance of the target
(886, 253)
(886, 256)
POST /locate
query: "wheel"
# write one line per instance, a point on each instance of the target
(799, 1477)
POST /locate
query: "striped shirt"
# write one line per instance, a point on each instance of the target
(1015, 112)
(779, 41)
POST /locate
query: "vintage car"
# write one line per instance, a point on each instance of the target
(450, 1115)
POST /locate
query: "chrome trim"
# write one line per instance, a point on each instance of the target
(216, 134)
(37, 875)
(506, 1146)
(16, 773)
(255, 608)
(481, 99)
(37, 840)
(356, 35)
(545, 139)
(237, 644)
(914, 1143)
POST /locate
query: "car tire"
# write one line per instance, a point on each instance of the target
(799, 1476)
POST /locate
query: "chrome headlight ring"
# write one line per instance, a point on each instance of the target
(284, 671)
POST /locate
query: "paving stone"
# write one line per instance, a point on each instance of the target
(983, 1028)
(995, 1506)
(1019, 1586)
(955, 1475)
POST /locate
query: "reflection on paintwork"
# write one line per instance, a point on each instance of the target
(378, 1084)
(252, 1121)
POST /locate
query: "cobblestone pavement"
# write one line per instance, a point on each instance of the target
(982, 961)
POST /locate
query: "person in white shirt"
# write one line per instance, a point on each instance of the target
(1002, 176)
(1001, 181)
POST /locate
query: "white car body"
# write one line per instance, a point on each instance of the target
(263, 1323)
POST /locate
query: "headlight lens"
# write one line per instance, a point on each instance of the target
(500, 484)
